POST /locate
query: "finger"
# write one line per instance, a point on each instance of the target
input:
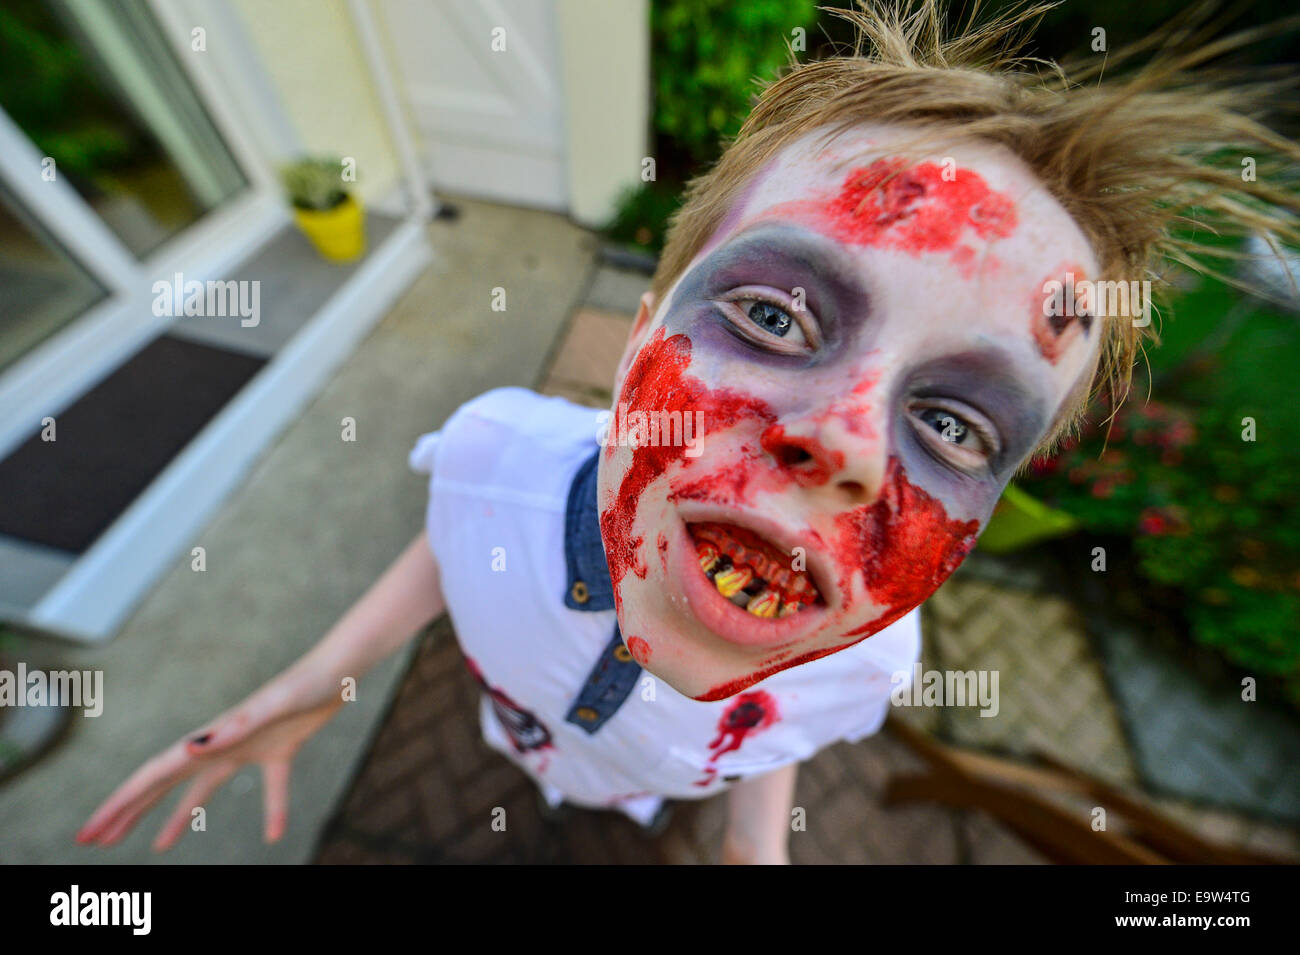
(165, 770)
(196, 795)
(116, 830)
(275, 797)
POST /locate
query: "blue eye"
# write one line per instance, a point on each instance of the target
(769, 321)
(951, 428)
(771, 318)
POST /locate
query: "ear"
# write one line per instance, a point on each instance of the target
(636, 338)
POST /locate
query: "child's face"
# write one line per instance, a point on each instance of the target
(860, 371)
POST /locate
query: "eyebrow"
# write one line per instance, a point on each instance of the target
(783, 236)
(797, 249)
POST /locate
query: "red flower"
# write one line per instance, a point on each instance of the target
(1043, 467)
(1153, 522)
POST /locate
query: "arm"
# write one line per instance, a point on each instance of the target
(758, 823)
(270, 726)
(399, 604)
(405, 599)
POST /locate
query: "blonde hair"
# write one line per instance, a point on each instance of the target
(1137, 160)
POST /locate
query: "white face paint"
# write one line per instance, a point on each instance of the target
(864, 350)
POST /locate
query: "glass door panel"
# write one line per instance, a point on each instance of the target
(41, 287)
(96, 87)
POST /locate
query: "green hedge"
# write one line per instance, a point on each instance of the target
(705, 58)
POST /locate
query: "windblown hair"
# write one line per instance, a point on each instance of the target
(1149, 163)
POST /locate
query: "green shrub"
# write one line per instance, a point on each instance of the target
(707, 55)
(705, 58)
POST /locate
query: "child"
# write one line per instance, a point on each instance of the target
(848, 350)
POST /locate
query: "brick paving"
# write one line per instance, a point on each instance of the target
(430, 788)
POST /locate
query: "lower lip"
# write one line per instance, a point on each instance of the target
(726, 620)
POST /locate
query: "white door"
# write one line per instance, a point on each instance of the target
(481, 79)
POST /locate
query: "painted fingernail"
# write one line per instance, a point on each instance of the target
(201, 740)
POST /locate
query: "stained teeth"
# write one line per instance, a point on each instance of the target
(764, 605)
(744, 571)
(732, 580)
(793, 603)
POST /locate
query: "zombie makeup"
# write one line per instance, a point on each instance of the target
(1054, 326)
(867, 377)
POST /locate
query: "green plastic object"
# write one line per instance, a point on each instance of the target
(1020, 520)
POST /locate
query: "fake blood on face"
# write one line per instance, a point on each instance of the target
(905, 546)
(732, 687)
(914, 209)
(658, 383)
(639, 649)
(904, 543)
(819, 464)
(1054, 330)
(749, 713)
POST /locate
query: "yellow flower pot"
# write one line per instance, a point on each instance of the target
(339, 234)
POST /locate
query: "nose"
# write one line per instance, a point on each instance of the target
(837, 452)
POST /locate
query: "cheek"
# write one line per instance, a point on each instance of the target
(904, 545)
(659, 387)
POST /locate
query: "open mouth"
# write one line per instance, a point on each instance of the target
(750, 571)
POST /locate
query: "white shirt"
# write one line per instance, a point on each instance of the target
(500, 472)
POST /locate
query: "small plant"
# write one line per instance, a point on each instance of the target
(315, 183)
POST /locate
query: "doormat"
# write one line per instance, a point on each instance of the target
(114, 440)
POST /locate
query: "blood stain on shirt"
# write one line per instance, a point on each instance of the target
(527, 733)
(749, 713)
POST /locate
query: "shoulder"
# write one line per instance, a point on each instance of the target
(512, 440)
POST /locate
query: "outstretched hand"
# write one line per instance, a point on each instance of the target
(267, 728)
